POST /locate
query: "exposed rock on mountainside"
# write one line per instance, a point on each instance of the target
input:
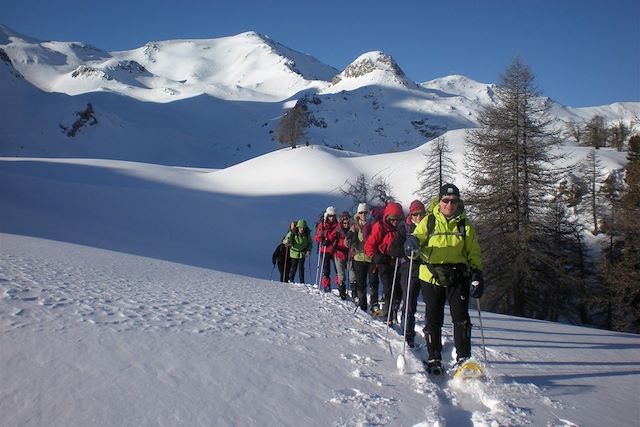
(86, 71)
(85, 118)
(370, 62)
(5, 58)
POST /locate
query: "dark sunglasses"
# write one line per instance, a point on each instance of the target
(447, 201)
(418, 214)
(394, 219)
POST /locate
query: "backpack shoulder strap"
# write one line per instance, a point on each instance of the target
(431, 224)
(461, 228)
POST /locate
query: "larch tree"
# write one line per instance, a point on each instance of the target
(510, 167)
(439, 169)
(621, 265)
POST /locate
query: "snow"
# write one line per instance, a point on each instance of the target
(136, 286)
(95, 337)
(140, 294)
(214, 103)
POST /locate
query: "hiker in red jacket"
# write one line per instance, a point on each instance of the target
(341, 254)
(327, 238)
(377, 248)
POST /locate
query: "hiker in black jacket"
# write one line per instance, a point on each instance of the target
(410, 287)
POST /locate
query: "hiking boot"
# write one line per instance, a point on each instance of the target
(434, 367)
(343, 292)
(410, 342)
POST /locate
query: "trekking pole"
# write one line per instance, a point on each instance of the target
(393, 288)
(318, 267)
(286, 258)
(324, 255)
(484, 348)
(309, 261)
(400, 362)
(348, 275)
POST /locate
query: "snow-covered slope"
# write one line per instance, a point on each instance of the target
(183, 214)
(248, 66)
(93, 337)
(114, 309)
(217, 102)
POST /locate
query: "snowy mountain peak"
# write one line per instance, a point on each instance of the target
(377, 67)
(457, 84)
(7, 33)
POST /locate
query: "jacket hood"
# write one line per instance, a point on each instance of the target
(393, 209)
(301, 223)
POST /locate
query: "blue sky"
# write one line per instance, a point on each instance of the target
(583, 52)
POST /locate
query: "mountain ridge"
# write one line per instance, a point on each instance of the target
(217, 102)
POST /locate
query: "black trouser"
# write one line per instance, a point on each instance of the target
(296, 264)
(361, 269)
(414, 285)
(458, 297)
(284, 269)
(386, 277)
(374, 284)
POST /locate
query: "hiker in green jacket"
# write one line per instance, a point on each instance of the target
(299, 243)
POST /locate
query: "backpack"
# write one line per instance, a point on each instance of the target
(376, 216)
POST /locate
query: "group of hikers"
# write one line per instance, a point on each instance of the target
(433, 250)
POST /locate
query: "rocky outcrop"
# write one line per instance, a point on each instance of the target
(84, 118)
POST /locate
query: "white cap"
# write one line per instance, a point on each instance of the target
(362, 207)
(330, 211)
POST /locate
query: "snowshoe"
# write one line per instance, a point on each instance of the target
(466, 368)
(376, 311)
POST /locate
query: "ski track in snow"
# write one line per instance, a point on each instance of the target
(43, 295)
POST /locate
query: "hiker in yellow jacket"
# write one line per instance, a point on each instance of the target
(447, 244)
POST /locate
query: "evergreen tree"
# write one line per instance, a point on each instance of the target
(621, 265)
(511, 176)
(593, 178)
(291, 127)
(618, 135)
(596, 132)
(438, 170)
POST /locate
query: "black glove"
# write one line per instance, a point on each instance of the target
(325, 242)
(411, 245)
(477, 284)
(380, 258)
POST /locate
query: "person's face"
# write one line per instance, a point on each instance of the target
(362, 216)
(300, 230)
(448, 205)
(345, 223)
(331, 218)
(416, 217)
(394, 221)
